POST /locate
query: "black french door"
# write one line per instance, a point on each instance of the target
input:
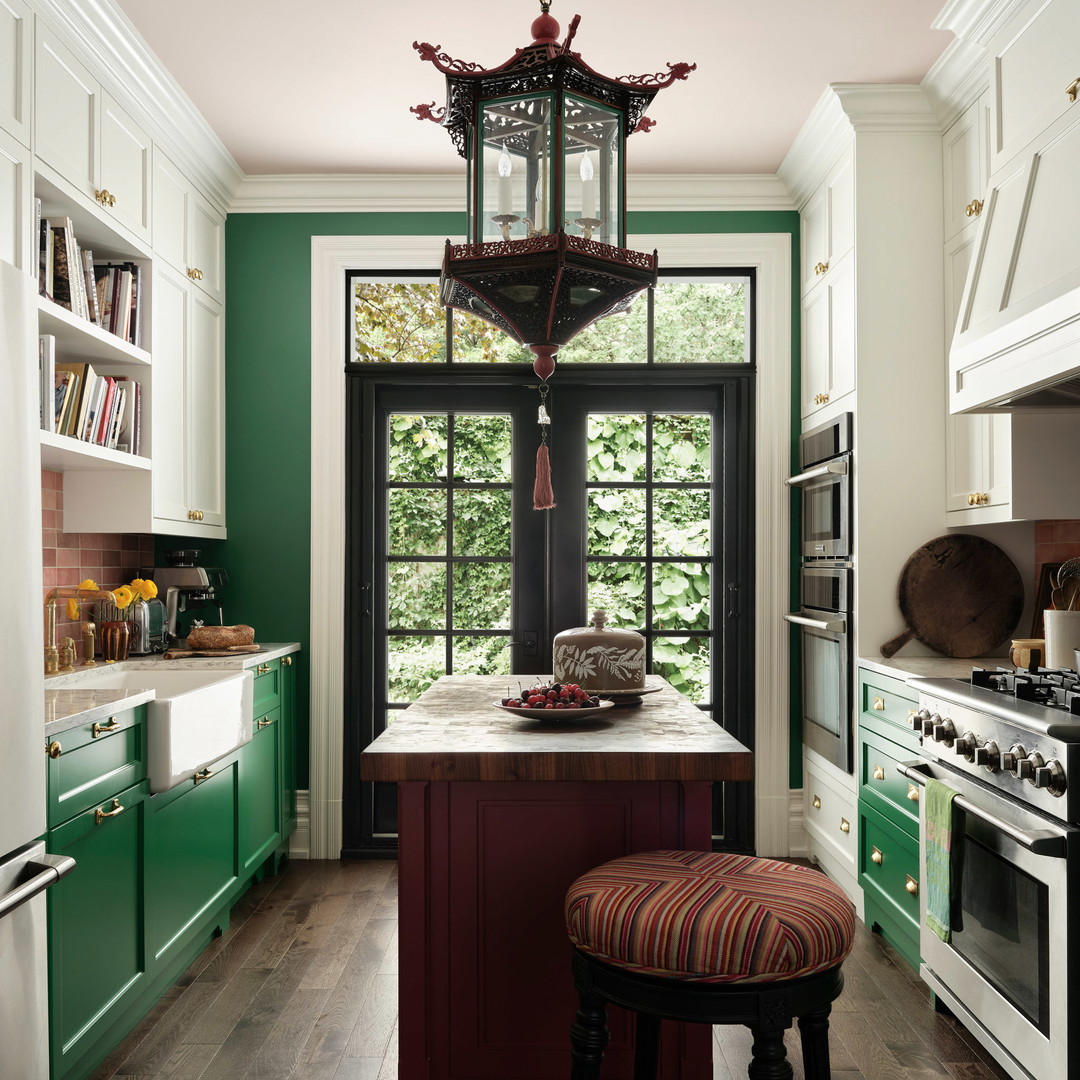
(450, 570)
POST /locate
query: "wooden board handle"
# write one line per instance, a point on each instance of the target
(894, 645)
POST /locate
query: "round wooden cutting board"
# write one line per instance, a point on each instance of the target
(959, 594)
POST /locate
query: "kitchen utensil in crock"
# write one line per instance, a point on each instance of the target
(1066, 594)
(960, 595)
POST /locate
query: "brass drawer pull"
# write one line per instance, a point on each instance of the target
(879, 772)
(879, 704)
(974, 208)
(815, 802)
(911, 885)
(286, 661)
(845, 825)
(1072, 89)
(913, 792)
(105, 197)
(195, 273)
(876, 856)
(821, 268)
(104, 729)
(204, 775)
(263, 669)
(54, 749)
(100, 815)
(265, 722)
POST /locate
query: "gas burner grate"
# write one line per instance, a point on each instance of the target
(1057, 688)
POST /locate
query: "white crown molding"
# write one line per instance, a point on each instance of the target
(770, 254)
(843, 110)
(976, 20)
(101, 32)
(431, 193)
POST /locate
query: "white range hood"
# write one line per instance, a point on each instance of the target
(1017, 339)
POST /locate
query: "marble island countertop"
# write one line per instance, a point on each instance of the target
(67, 705)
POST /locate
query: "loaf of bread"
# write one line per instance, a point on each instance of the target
(220, 637)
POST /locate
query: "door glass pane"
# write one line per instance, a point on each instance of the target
(481, 655)
(416, 595)
(616, 448)
(618, 589)
(681, 596)
(417, 521)
(398, 322)
(616, 522)
(418, 447)
(481, 596)
(414, 664)
(682, 449)
(685, 663)
(482, 448)
(481, 522)
(681, 523)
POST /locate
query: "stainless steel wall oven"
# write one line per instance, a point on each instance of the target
(824, 483)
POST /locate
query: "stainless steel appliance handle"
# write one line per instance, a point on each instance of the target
(836, 625)
(830, 468)
(51, 868)
(1038, 842)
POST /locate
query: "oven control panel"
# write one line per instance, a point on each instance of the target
(1024, 764)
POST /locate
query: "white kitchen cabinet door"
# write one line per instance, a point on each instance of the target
(172, 297)
(828, 372)
(1036, 60)
(124, 168)
(16, 205)
(206, 247)
(828, 223)
(206, 413)
(978, 467)
(15, 68)
(965, 163)
(66, 102)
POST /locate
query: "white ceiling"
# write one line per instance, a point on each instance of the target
(325, 86)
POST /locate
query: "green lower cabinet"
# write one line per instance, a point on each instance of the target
(98, 966)
(192, 867)
(889, 876)
(287, 744)
(260, 793)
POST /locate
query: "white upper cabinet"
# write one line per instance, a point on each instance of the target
(965, 162)
(16, 224)
(828, 223)
(828, 372)
(87, 140)
(15, 68)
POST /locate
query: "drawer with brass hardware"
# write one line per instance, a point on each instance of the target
(891, 700)
(830, 814)
(267, 685)
(88, 764)
(881, 786)
(889, 869)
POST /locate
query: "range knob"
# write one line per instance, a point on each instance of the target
(917, 720)
(1051, 776)
(929, 723)
(988, 756)
(966, 745)
(944, 732)
(1012, 758)
(1025, 767)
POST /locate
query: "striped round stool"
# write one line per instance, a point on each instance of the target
(713, 939)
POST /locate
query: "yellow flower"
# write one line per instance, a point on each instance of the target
(143, 589)
(88, 583)
(73, 609)
(123, 596)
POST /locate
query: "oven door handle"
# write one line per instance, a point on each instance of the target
(830, 468)
(1038, 842)
(837, 625)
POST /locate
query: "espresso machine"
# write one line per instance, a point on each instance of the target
(192, 593)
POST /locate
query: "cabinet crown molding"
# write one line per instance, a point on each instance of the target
(976, 20)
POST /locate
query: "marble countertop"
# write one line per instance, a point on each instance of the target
(67, 705)
(454, 732)
(930, 667)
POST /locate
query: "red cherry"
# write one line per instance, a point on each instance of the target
(550, 705)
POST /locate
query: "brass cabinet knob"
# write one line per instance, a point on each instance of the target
(104, 729)
(984, 498)
(195, 515)
(879, 704)
(265, 722)
(845, 825)
(972, 498)
(879, 772)
(815, 802)
(876, 856)
(195, 273)
(204, 775)
(262, 669)
(1072, 89)
(286, 661)
(913, 792)
(974, 208)
(911, 885)
(100, 815)
(54, 749)
(821, 399)
(105, 197)
(821, 268)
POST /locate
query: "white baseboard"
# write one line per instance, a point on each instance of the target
(798, 847)
(300, 841)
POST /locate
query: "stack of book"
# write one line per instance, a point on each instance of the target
(105, 410)
(108, 294)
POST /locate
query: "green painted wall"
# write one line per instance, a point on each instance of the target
(268, 399)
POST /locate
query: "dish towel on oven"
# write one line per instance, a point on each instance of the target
(938, 803)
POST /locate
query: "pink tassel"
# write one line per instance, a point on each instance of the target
(543, 496)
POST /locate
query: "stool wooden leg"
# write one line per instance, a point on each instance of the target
(588, 1037)
(770, 1056)
(646, 1046)
(814, 1032)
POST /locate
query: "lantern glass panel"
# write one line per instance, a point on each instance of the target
(515, 170)
(592, 156)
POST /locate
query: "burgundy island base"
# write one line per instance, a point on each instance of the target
(497, 815)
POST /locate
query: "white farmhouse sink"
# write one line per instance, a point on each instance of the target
(195, 718)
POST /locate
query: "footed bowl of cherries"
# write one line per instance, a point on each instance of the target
(554, 701)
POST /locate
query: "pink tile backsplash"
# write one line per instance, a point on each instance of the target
(68, 558)
(1056, 541)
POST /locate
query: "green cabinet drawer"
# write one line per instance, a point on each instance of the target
(97, 959)
(890, 700)
(881, 786)
(267, 686)
(889, 865)
(259, 793)
(93, 761)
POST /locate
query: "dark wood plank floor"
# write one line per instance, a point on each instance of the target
(303, 986)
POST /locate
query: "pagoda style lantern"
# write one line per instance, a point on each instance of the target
(544, 139)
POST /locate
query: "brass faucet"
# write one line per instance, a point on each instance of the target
(52, 653)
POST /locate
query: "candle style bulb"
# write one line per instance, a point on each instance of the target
(505, 195)
(588, 187)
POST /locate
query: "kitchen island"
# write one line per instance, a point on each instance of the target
(497, 815)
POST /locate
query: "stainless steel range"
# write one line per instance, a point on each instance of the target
(1009, 743)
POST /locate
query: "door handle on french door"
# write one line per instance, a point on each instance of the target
(528, 643)
(365, 600)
